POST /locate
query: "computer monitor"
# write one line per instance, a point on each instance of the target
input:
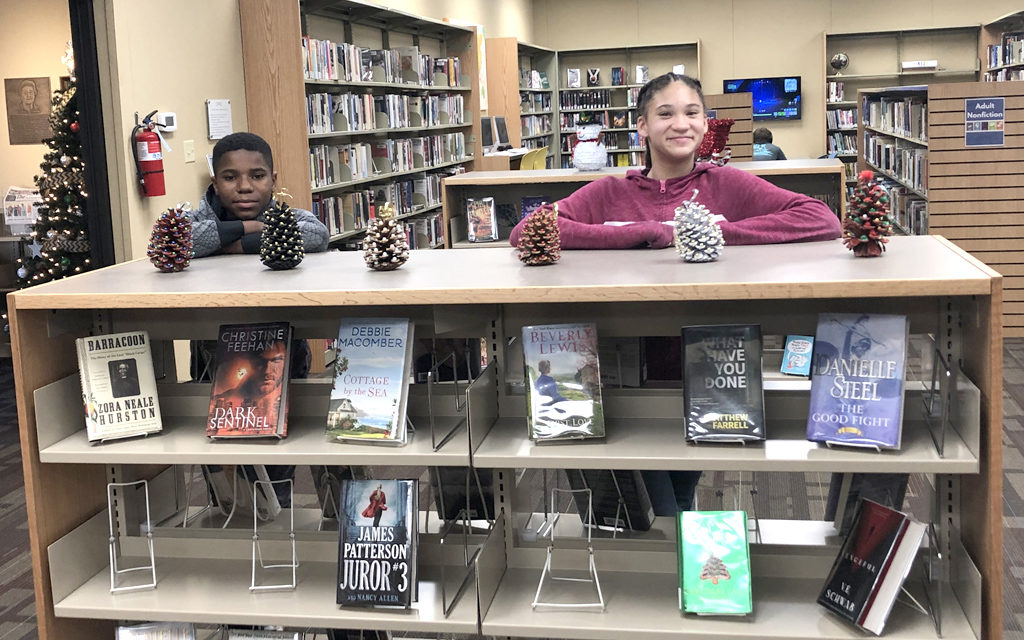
(502, 131)
(486, 133)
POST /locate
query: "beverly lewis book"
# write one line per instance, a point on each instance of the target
(857, 380)
(118, 385)
(563, 382)
(371, 381)
(377, 543)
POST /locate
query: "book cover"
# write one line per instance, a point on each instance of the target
(157, 631)
(544, 84)
(857, 380)
(618, 76)
(371, 377)
(118, 385)
(480, 221)
(619, 498)
(871, 566)
(563, 382)
(529, 204)
(846, 489)
(714, 563)
(593, 77)
(572, 78)
(796, 357)
(377, 543)
(619, 120)
(723, 399)
(249, 394)
(641, 74)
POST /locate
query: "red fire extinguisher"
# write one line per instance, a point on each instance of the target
(149, 159)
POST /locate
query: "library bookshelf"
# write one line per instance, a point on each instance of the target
(1000, 48)
(821, 178)
(412, 127)
(203, 575)
(516, 72)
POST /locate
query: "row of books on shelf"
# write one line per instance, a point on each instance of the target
(835, 91)
(333, 164)
(332, 112)
(189, 631)
(856, 363)
(529, 101)
(590, 99)
(425, 232)
(1010, 50)
(534, 79)
(849, 171)
(902, 116)
(908, 164)
(535, 125)
(353, 211)
(617, 76)
(841, 118)
(346, 62)
(609, 119)
(908, 209)
(841, 143)
(1003, 75)
(616, 159)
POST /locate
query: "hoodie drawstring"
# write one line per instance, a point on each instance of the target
(662, 185)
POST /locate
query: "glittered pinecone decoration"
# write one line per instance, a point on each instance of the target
(385, 247)
(281, 241)
(868, 222)
(539, 242)
(170, 245)
(698, 238)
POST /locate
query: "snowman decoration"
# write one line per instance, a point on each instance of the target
(589, 152)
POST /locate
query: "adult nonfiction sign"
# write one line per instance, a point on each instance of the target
(984, 122)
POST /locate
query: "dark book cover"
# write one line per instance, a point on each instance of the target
(377, 543)
(618, 76)
(529, 204)
(593, 77)
(863, 560)
(857, 380)
(249, 394)
(619, 498)
(563, 382)
(846, 489)
(723, 398)
(451, 494)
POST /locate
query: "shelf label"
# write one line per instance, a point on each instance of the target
(984, 122)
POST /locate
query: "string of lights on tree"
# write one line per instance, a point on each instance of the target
(60, 241)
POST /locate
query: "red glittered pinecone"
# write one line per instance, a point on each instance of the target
(867, 223)
(170, 245)
(539, 242)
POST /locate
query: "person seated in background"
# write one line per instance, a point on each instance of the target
(763, 147)
(229, 218)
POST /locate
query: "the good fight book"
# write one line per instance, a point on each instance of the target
(857, 380)
(722, 394)
(873, 563)
(118, 385)
(249, 394)
(371, 380)
(714, 563)
(377, 543)
(563, 382)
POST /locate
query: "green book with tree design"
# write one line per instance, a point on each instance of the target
(714, 563)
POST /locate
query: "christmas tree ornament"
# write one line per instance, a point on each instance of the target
(65, 160)
(868, 223)
(697, 237)
(170, 244)
(74, 127)
(385, 247)
(281, 242)
(539, 242)
(713, 147)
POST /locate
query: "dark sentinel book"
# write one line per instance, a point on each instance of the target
(872, 565)
(723, 398)
(857, 380)
(377, 543)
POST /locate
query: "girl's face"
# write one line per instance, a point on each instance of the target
(674, 123)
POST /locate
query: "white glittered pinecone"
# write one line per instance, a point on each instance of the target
(385, 247)
(698, 238)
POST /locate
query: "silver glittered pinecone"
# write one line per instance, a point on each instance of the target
(698, 238)
(385, 247)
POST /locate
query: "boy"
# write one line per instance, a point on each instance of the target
(229, 218)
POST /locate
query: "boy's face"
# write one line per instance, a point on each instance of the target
(244, 183)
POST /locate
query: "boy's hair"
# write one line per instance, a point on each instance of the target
(242, 141)
(762, 135)
(653, 86)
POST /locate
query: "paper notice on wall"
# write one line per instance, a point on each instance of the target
(21, 208)
(218, 118)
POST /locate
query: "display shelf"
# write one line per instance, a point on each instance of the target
(401, 86)
(645, 605)
(336, 186)
(374, 132)
(893, 134)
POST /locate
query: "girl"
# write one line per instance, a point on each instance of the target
(671, 118)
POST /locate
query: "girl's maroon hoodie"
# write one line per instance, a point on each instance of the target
(755, 211)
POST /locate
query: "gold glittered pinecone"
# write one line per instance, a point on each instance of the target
(281, 242)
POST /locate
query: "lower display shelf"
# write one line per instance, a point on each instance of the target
(644, 605)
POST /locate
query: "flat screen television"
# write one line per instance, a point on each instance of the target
(772, 99)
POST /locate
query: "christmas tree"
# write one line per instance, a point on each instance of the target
(60, 242)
